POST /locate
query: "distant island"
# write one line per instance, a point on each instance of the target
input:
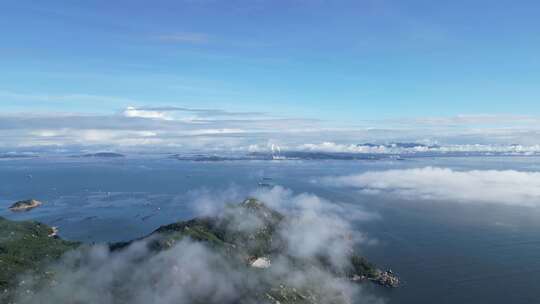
(17, 155)
(102, 155)
(29, 247)
(25, 205)
(286, 155)
(209, 158)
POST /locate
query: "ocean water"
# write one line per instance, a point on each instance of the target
(445, 252)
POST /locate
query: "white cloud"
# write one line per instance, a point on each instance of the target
(212, 129)
(332, 147)
(134, 112)
(64, 98)
(194, 272)
(480, 119)
(393, 148)
(442, 184)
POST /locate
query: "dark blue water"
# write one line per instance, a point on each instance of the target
(444, 252)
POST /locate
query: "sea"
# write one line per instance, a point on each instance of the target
(444, 252)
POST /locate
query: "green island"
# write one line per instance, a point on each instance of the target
(28, 247)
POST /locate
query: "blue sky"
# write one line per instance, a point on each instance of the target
(343, 62)
(337, 60)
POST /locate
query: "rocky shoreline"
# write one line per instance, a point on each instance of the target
(25, 205)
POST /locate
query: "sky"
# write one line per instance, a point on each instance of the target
(345, 64)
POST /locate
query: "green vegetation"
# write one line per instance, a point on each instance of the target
(243, 233)
(224, 231)
(361, 266)
(284, 294)
(200, 230)
(27, 247)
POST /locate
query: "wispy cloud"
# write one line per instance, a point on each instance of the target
(201, 112)
(64, 98)
(468, 120)
(217, 129)
(175, 125)
(151, 127)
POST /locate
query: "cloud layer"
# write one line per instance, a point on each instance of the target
(442, 184)
(175, 128)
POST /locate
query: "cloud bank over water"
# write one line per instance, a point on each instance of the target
(507, 187)
(173, 128)
(418, 148)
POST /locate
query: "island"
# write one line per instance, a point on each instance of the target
(25, 205)
(29, 247)
(17, 155)
(104, 155)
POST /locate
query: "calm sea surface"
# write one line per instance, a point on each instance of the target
(445, 252)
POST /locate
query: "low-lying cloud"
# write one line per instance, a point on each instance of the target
(192, 272)
(443, 184)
